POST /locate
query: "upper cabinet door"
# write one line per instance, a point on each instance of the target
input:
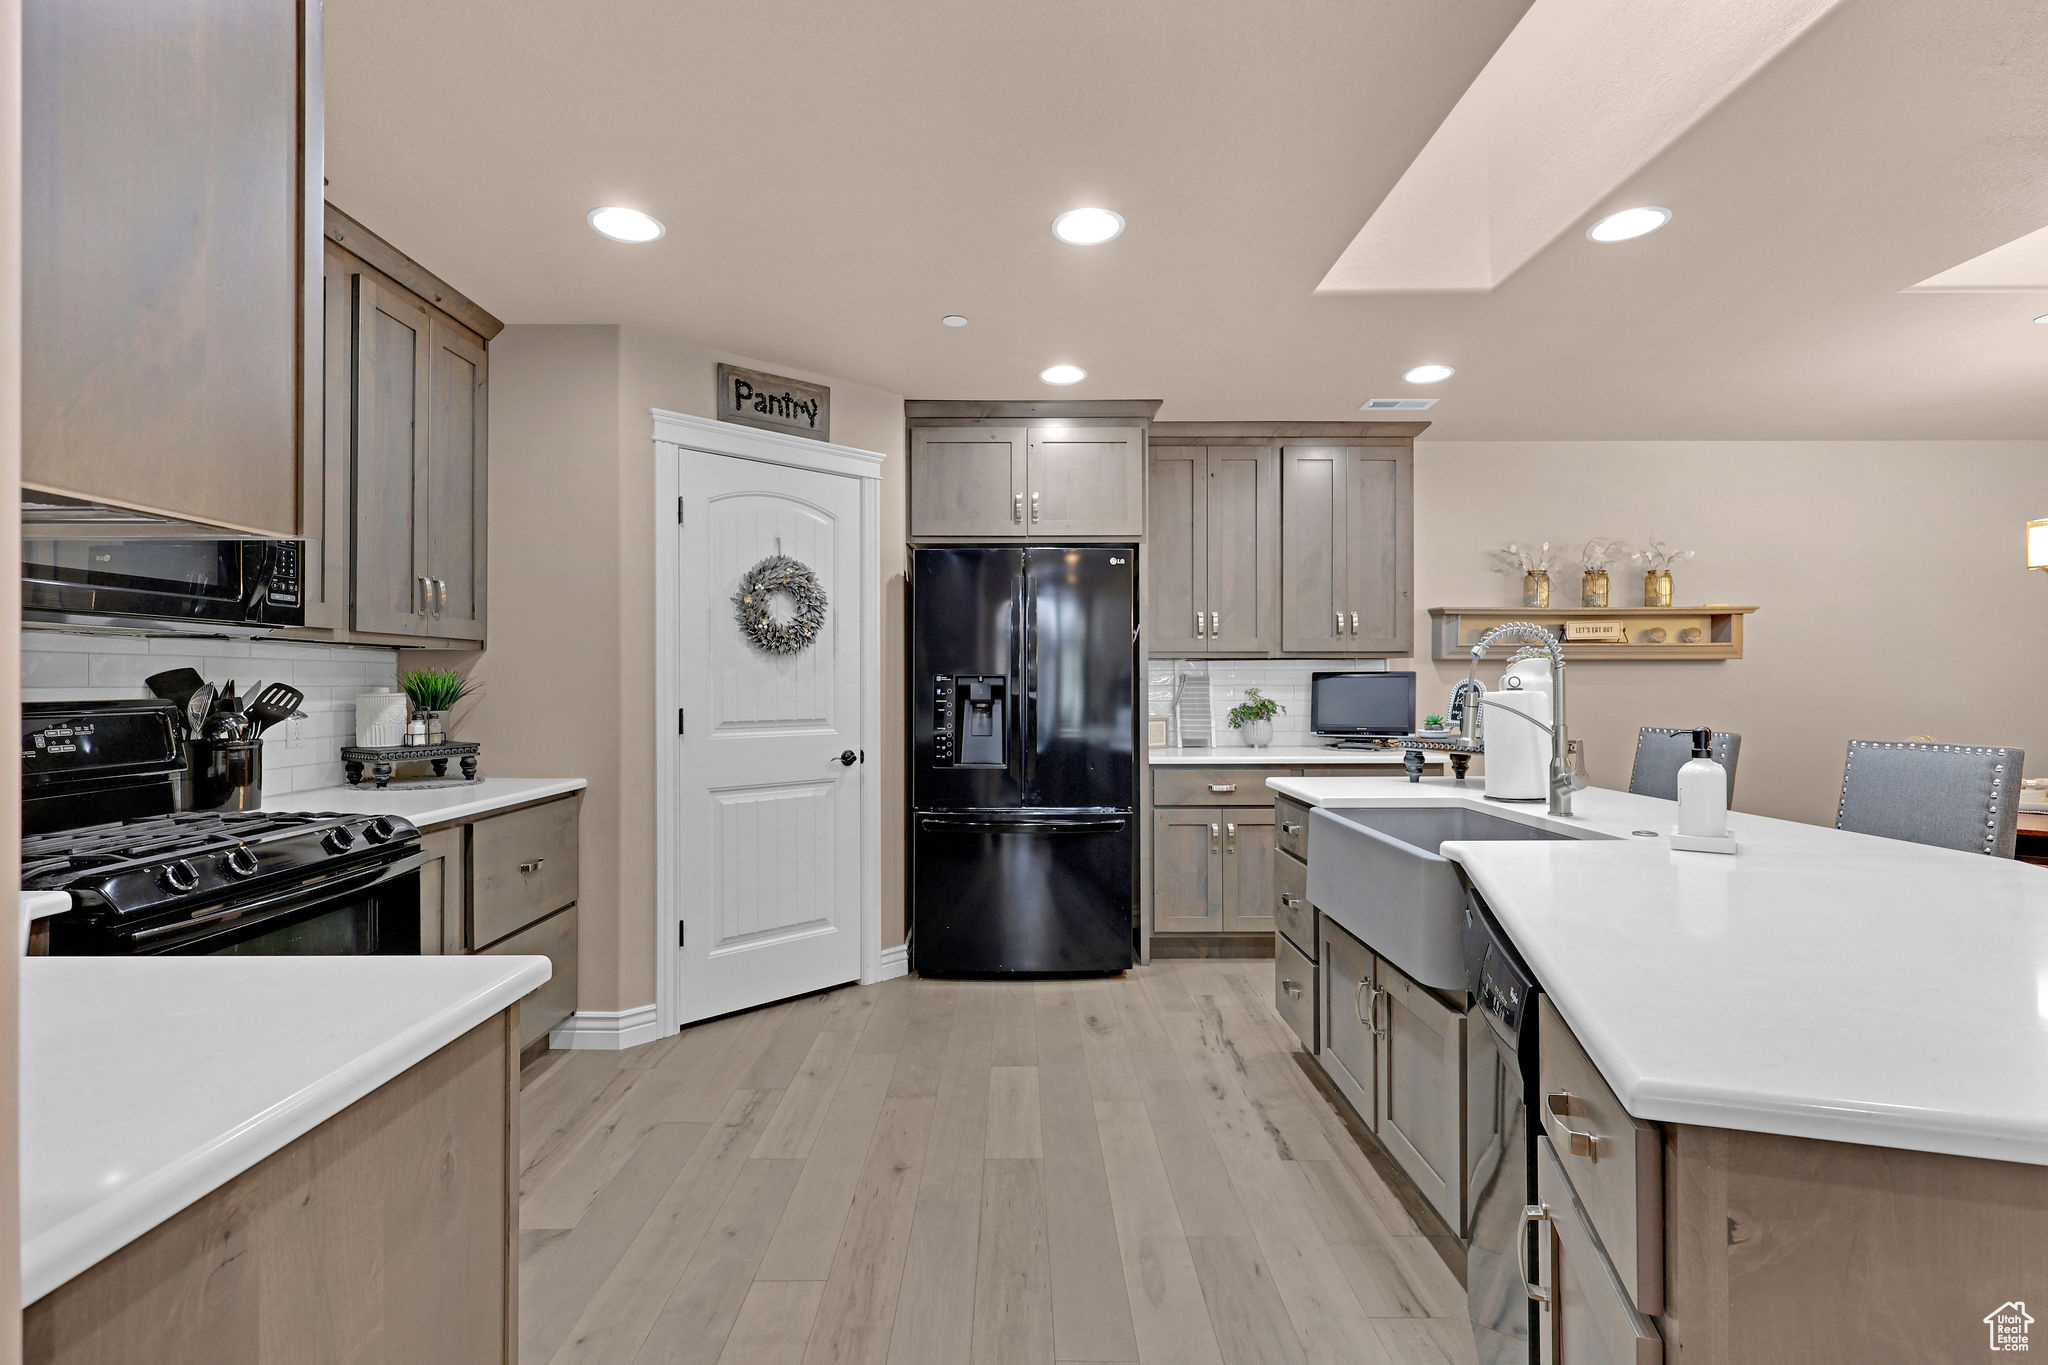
(455, 463)
(393, 366)
(1379, 499)
(164, 251)
(1243, 550)
(967, 481)
(1314, 576)
(1085, 481)
(1177, 551)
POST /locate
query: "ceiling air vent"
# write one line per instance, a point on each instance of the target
(1396, 404)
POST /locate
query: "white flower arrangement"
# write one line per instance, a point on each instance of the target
(1658, 557)
(1521, 559)
(1600, 554)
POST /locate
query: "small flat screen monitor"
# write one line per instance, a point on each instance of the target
(1362, 705)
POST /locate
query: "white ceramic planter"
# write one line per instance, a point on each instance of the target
(1257, 733)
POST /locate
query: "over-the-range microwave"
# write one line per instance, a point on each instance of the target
(154, 584)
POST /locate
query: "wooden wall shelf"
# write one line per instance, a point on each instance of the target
(1454, 630)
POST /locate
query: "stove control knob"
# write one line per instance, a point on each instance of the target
(241, 861)
(179, 876)
(340, 839)
(380, 829)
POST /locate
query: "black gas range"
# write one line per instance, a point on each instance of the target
(101, 784)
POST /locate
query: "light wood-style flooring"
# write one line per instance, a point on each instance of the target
(966, 1173)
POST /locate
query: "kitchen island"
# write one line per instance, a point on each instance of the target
(1835, 1045)
(270, 1159)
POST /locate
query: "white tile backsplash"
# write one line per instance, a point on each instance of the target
(297, 755)
(1284, 680)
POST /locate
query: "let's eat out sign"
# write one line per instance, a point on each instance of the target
(775, 403)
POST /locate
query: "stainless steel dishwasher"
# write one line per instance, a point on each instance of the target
(1502, 1040)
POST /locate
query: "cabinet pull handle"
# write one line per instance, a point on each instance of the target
(426, 605)
(1034, 505)
(1198, 625)
(1215, 834)
(1215, 623)
(1372, 1010)
(441, 595)
(1289, 827)
(1357, 1008)
(1583, 1143)
(1354, 623)
(1222, 786)
(1230, 835)
(1289, 899)
(1531, 1213)
(1340, 623)
(1293, 988)
(533, 865)
(1017, 508)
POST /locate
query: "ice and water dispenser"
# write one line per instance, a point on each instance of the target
(972, 722)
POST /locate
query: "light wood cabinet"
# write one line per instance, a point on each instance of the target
(1214, 547)
(1187, 871)
(1586, 1315)
(443, 892)
(1346, 547)
(1248, 893)
(169, 236)
(1420, 1111)
(1349, 1030)
(401, 504)
(1027, 471)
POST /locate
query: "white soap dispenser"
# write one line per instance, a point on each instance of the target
(1703, 801)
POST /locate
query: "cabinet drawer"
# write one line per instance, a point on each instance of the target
(1290, 833)
(1296, 917)
(1589, 1316)
(1232, 786)
(1294, 991)
(1615, 1161)
(522, 866)
(554, 938)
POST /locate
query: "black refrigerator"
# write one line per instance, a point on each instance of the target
(1023, 732)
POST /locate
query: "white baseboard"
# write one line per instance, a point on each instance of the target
(895, 963)
(606, 1030)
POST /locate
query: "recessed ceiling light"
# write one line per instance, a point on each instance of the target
(1088, 227)
(1620, 227)
(626, 225)
(1429, 374)
(1063, 374)
(2042, 318)
(954, 320)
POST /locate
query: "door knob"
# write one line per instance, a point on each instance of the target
(849, 758)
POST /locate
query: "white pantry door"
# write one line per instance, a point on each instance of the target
(768, 873)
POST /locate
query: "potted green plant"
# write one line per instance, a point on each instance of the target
(1253, 718)
(1432, 722)
(433, 691)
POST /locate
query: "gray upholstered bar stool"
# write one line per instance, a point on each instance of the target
(1950, 795)
(1661, 753)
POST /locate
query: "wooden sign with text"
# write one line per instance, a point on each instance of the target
(774, 403)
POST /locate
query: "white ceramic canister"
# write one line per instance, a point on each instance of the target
(380, 718)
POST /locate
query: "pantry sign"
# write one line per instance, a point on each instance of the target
(774, 402)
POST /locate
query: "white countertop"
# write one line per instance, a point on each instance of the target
(147, 1083)
(1818, 984)
(1282, 758)
(434, 806)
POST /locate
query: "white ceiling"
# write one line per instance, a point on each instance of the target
(837, 176)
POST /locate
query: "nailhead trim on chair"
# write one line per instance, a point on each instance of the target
(1997, 776)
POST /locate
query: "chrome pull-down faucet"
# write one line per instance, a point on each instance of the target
(1563, 781)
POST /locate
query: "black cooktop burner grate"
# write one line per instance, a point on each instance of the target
(53, 861)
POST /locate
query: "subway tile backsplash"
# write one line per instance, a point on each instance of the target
(1284, 680)
(297, 756)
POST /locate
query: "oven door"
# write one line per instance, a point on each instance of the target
(215, 587)
(364, 911)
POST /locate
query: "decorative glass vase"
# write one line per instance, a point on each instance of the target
(1257, 733)
(1536, 588)
(1657, 588)
(1593, 588)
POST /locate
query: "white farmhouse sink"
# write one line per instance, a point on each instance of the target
(1377, 872)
